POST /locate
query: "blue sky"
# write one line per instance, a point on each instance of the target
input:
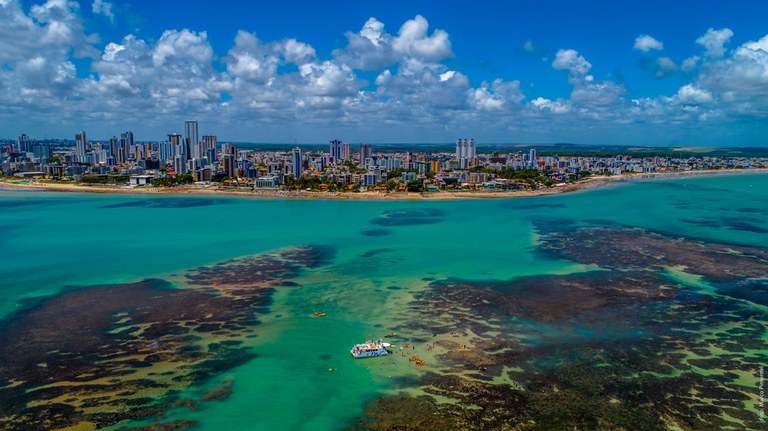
(622, 72)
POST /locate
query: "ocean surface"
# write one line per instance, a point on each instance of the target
(641, 302)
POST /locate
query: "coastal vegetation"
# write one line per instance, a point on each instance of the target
(104, 179)
(173, 180)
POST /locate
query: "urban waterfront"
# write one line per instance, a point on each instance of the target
(190, 161)
(638, 305)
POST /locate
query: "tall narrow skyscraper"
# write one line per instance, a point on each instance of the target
(335, 150)
(190, 135)
(113, 148)
(296, 162)
(80, 142)
(346, 151)
(533, 163)
(126, 142)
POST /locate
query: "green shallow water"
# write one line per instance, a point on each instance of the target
(303, 377)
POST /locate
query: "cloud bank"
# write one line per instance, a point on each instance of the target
(380, 86)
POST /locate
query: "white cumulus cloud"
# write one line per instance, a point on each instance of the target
(372, 48)
(647, 43)
(572, 61)
(692, 95)
(553, 106)
(714, 41)
(103, 7)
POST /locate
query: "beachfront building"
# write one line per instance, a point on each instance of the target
(267, 182)
(141, 180)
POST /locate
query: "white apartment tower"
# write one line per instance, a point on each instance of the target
(191, 137)
(465, 151)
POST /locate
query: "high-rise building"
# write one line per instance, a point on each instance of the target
(209, 147)
(139, 152)
(166, 151)
(346, 151)
(335, 151)
(465, 152)
(113, 148)
(41, 151)
(227, 148)
(190, 135)
(532, 159)
(124, 152)
(228, 164)
(296, 162)
(174, 138)
(178, 145)
(465, 149)
(130, 150)
(24, 144)
(365, 152)
(80, 142)
(179, 164)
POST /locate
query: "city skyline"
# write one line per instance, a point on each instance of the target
(595, 73)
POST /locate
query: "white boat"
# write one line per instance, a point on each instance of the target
(370, 349)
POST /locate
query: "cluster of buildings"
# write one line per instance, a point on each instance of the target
(341, 167)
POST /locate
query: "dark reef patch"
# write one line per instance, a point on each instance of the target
(405, 413)
(409, 217)
(624, 348)
(523, 205)
(17, 203)
(221, 392)
(104, 355)
(755, 291)
(375, 252)
(166, 426)
(163, 202)
(376, 232)
(636, 248)
(262, 270)
(731, 223)
(310, 256)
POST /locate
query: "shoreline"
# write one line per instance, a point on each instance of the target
(582, 185)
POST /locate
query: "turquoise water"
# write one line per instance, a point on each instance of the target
(303, 377)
